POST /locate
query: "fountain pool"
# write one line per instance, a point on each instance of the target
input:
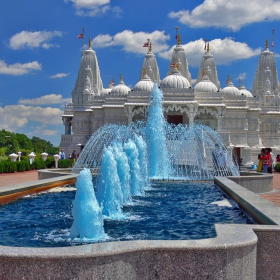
(167, 211)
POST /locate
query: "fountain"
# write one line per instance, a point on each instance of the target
(119, 161)
(126, 158)
(165, 151)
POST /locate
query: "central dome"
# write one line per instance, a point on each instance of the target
(175, 80)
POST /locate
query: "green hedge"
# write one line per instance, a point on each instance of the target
(277, 167)
(7, 166)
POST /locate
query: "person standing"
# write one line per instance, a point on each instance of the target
(266, 160)
(61, 154)
(73, 157)
(271, 160)
(260, 165)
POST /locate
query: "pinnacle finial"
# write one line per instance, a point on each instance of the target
(121, 78)
(266, 43)
(208, 47)
(178, 36)
(150, 47)
(89, 42)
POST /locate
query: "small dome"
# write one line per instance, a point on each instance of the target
(107, 90)
(120, 89)
(175, 80)
(145, 84)
(231, 90)
(244, 91)
(205, 85)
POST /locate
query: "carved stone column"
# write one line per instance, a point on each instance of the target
(67, 124)
(192, 113)
(220, 118)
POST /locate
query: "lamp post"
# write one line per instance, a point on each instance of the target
(19, 155)
(13, 157)
(44, 156)
(56, 158)
(31, 157)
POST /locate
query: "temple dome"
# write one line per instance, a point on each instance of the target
(145, 84)
(107, 90)
(120, 89)
(245, 92)
(205, 85)
(175, 80)
(231, 90)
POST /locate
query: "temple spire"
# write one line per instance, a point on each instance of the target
(208, 47)
(178, 36)
(266, 43)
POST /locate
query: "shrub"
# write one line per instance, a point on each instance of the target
(277, 167)
(64, 163)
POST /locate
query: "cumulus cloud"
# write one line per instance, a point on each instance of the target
(231, 14)
(241, 76)
(50, 132)
(59, 75)
(133, 42)
(224, 51)
(93, 8)
(13, 117)
(33, 39)
(45, 100)
(18, 68)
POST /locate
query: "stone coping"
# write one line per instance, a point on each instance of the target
(228, 235)
(231, 255)
(254, 181)
(260, 209)
(13, 192)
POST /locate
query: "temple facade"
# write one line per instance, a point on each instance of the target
(247, 121)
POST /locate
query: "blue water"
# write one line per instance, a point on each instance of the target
(178, 211)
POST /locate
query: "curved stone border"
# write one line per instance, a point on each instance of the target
(11, 193)
(51, 173)
(255, 182)
(231, 255)
(261, 210)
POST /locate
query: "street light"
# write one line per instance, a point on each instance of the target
(13, 157)
(31, 157)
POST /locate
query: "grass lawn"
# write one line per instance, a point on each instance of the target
(3, 157)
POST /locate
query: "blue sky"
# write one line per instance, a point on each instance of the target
(40, 53)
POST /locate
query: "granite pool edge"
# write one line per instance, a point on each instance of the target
(261, 210)
(231, 255)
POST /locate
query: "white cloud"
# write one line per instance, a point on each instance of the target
(13, 117)
(241, 76)
(33, 39)
(133, 42)
(59, 75)
(93, 8)
(231, 14)
(18, 68)
(193, 81)
(46, 99)
(224, 51)
(50, 132)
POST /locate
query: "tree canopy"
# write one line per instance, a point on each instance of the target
(14, 142)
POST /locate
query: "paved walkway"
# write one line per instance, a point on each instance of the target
(7, 179)
(274, 196)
